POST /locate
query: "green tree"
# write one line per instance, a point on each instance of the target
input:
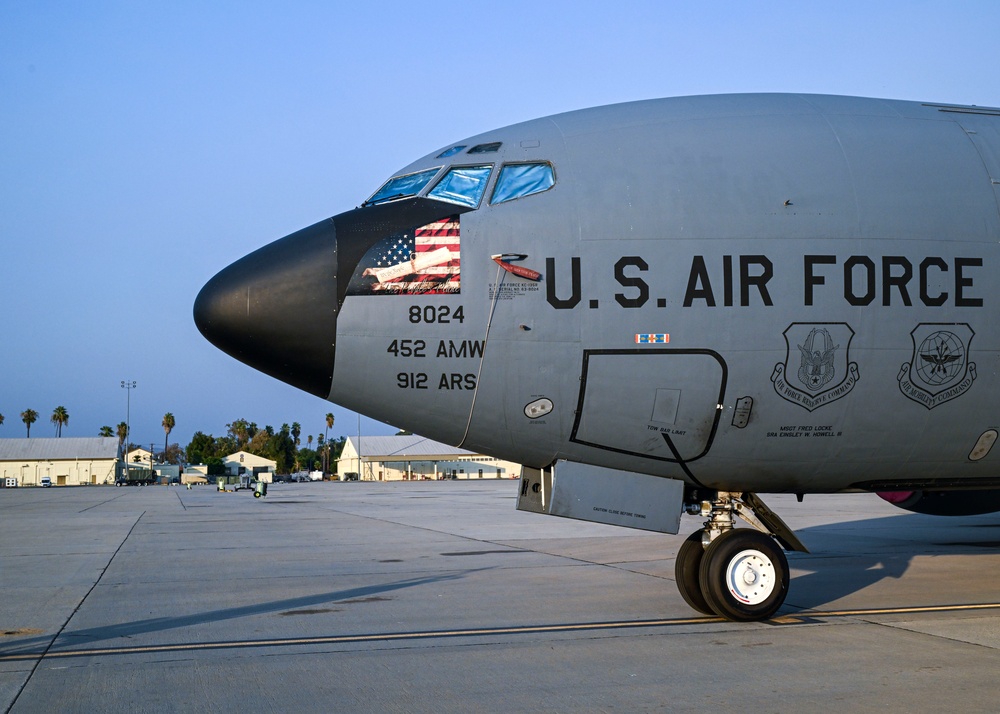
(59, 417)
(258, 444)
(337, 446)
(29, 417)
(1, 424)
(201, 448)
(308, 459)
(281, 448)
(106, 431)
(240, 431)
(172, 454)
(168, 426)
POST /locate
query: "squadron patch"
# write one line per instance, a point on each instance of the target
(816, 370)
(940, 369)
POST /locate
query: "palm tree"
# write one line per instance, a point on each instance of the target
(59, 417)
(29, 417)
(240, 430)
(168, 426)
(309, 438)
(326, 438)
(296, 432)
(1, 421)
(122, 432)
(107, 431)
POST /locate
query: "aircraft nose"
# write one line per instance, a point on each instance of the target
(276, 308)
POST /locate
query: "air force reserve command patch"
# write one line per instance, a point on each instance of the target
(816, 370)
(939, 369)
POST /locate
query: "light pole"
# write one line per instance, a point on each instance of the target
(128, 385)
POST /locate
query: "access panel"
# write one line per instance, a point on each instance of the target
(662, 404)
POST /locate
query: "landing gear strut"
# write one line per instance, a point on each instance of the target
(737, 573)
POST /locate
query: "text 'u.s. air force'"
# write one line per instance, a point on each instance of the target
(746, 280)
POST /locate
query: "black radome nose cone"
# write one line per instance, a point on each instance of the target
(276, 308)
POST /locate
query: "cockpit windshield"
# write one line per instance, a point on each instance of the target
(466, 185)
(463, 185)
(402, 186)
(517, 180)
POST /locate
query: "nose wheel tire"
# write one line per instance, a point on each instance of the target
(743, 575)
(687, 569)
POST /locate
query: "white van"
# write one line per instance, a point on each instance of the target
(46, 482)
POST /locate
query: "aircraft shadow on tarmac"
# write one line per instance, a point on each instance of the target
(70, 640)
(845, 558)
(849, 557)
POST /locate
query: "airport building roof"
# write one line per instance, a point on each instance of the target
(56, 449)
(404, 447)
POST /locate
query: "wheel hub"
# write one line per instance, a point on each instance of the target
(750, 576)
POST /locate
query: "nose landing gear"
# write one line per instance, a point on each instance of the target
(736, 573)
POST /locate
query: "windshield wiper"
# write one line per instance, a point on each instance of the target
(386, 199)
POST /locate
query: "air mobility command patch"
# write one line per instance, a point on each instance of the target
(939, 369)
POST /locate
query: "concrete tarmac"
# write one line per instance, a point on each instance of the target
(441, 597)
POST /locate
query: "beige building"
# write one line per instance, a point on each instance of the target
(243, 462)
(141, 457)
(415, 458)
(194, 474)
(67, 461)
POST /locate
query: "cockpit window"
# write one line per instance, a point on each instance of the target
(486, 148)
(402, 186)
(450, 152)
(517, 180)
(463, 185)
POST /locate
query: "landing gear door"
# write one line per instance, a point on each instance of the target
(660, 404)
(600, 495)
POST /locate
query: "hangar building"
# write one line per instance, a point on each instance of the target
(243, 462)
(67, 461)
(410, 457)
(236, 465)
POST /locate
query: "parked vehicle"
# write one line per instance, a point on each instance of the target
(46, 482)
(136, 477)
(246, 482)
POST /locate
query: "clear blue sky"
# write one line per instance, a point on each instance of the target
(145, 146)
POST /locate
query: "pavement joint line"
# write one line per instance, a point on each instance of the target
(791, 619)
(813, 616)
(76, 609)
(97, 505)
